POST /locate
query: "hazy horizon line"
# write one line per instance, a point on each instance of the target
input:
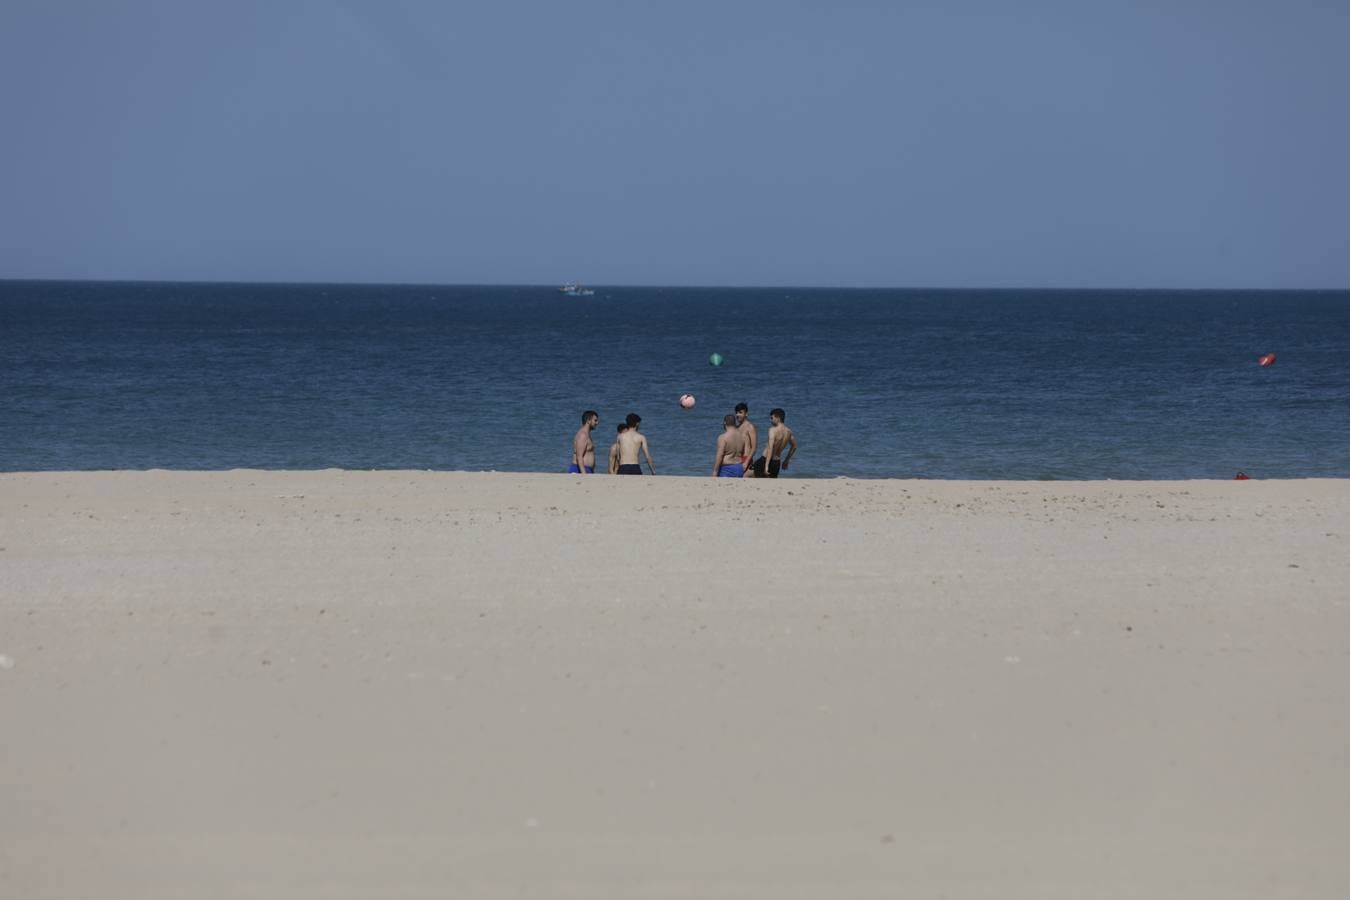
(659, 286)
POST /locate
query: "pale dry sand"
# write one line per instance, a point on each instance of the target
(401, 684)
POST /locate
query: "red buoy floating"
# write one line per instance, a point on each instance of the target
(1266, 361)
(1241, 476)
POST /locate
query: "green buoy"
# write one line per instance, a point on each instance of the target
(715, 359)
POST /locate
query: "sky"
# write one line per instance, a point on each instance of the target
(963, 143)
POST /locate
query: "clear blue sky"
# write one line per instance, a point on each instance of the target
(981, 143)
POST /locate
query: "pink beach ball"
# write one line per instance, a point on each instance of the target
(687, 401)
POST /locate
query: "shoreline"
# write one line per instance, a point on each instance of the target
(7, 473)
(346, 683)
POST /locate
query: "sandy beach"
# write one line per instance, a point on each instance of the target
(413, 684)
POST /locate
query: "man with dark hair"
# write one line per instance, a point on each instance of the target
(633, 443)
(583, 449)
(614, 451)
(780, 436)
(749, 432)
(730, 451)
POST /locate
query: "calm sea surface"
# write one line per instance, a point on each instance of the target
(876, 383)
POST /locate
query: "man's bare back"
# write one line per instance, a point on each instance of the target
(730, 451)
(730, 448)
(632, 446)
(779, 436)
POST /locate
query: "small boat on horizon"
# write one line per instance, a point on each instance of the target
(574, 289)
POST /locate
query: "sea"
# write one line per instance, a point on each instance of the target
(952, 384)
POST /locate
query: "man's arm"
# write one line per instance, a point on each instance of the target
(753, 442)
(648, 452)
(579, 451)
(717, 454)
(613, 459)
(792, 448)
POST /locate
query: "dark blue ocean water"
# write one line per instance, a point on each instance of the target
(876, 383)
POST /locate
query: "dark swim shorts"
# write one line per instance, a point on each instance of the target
(630, 469)
(573, 470)
(775, 465)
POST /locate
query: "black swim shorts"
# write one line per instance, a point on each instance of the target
(774, 466)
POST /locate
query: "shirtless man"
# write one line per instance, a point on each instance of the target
(730, 451)
(749, 432)
(614, 451)
(780, 436)
(583, 449)
(631, 443)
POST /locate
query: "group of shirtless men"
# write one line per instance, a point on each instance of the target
(736, 447)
